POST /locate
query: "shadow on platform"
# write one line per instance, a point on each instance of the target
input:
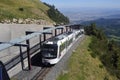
(36, 60)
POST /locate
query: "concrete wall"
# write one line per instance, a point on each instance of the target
(12, 31)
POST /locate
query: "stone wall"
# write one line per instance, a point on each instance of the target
(26, 21)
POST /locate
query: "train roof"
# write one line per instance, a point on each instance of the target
(59, 37)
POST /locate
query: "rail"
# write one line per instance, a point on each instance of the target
(41, 74)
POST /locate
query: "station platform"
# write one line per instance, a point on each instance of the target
(27, 75)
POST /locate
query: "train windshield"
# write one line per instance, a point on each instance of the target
(49, 51)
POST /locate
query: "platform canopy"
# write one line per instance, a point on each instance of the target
(5, 45)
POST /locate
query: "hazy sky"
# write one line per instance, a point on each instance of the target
(84, 3)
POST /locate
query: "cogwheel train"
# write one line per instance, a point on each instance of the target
(55, 48)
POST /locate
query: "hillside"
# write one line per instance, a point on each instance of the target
(111, 27)
(10, 9)
(29, 11)
(82, 66)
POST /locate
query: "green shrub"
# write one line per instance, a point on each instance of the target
(107, 51)
(101, 66)
(93, 55)
(21, 9)
(106, 78)
(56, 15)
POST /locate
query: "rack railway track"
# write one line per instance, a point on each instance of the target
(41, 74)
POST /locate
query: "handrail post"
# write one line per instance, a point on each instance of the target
(28, 53)
(21, 58)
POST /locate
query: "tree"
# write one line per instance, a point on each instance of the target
(56, 15)
(107, 51)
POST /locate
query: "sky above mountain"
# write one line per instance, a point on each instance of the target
(62, 4)
(86, 9)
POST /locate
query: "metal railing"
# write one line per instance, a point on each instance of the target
(26, 54)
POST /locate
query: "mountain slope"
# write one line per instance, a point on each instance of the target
(82, 66)
(111, 27)
(35, 9)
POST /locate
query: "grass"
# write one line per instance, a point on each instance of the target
(10, 9)
(82, 66)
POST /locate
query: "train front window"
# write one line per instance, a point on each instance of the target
(49, 51)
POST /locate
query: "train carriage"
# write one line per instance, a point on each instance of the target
(55, 48)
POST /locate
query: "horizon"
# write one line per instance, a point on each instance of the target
(86, 10)
(78, 4)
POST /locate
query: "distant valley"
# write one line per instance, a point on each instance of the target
(87, 14)
(111, 27)
(106, 19)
